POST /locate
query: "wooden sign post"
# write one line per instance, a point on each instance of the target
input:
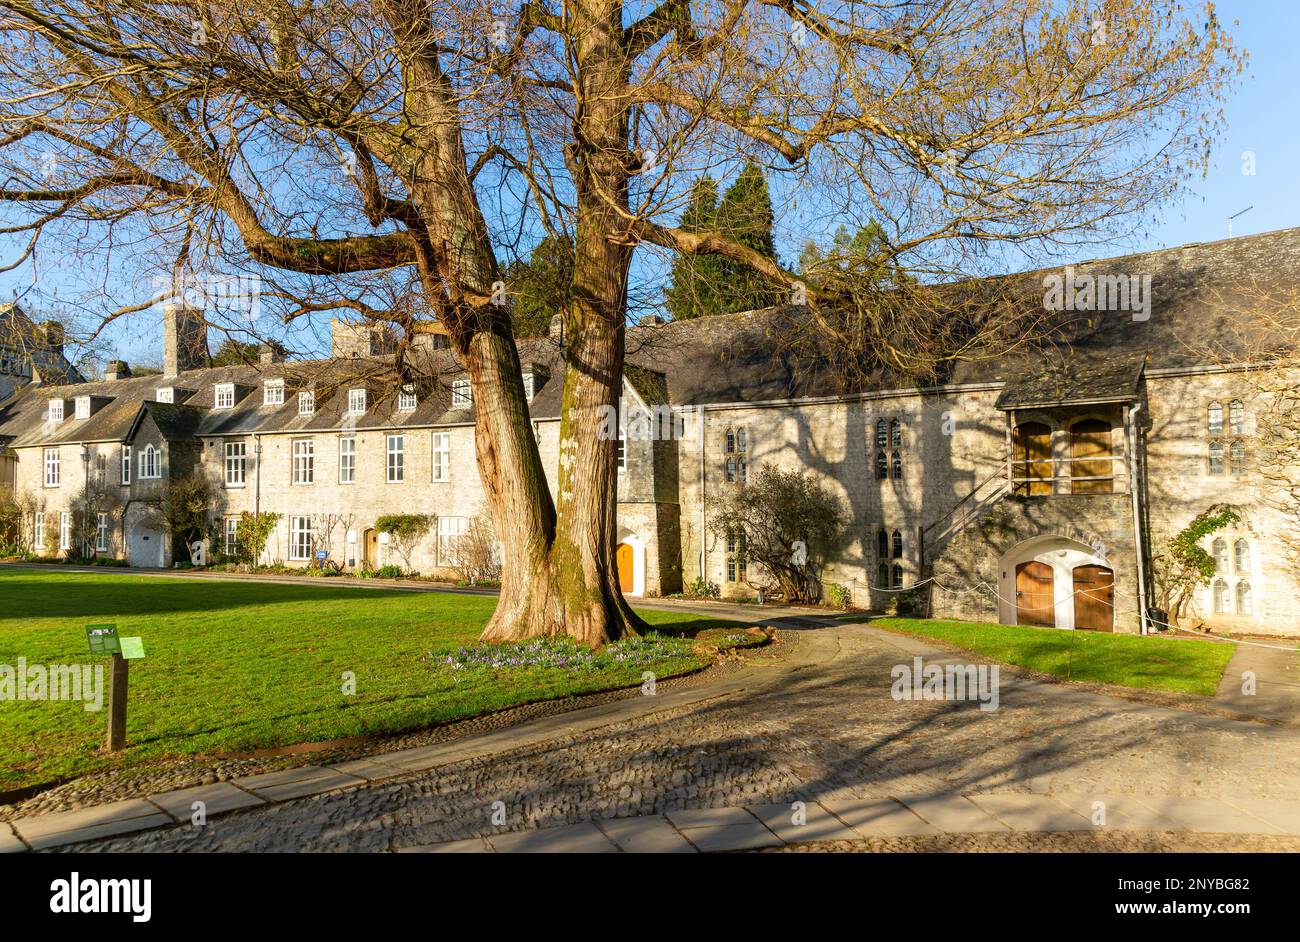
(103, 639)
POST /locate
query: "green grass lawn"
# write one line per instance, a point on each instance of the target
(236, 666)
(1186, 665)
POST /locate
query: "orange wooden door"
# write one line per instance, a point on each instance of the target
(1094, 598)
(624, 558)
(1035, 595)
(1033, 458)
(1089, 442)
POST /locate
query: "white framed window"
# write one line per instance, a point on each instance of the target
(224, 396)
(231, 534)
(407, 399)
(620, 447)
(347, 460)
(165, 394)
(56, 410)
(39, 536)
(273, 392)
(1237, 420)
(356, 401)
(304, 461)
(150, 465)
(126, 464)
(1245, 605)
(101, 533)
(82, 407)
(450, 529)
(300, 538)
(530, 386)
(1214, 418)
(396, 459)
(307, 403)
(1241, 557)
(101, 468)
(52, 467)
(236, 463)
(462, 394)
(442, 456)
(1221, 599)
(65, 531)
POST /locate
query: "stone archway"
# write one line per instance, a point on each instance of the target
(1045, 566)
(629, 556)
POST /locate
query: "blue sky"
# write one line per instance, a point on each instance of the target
(1261, 121)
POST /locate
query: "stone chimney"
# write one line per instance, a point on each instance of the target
(52, 335)
(268, 354)
(117, 369)
(185, 339)
(350, 339)
(651, 320)
(556, 329)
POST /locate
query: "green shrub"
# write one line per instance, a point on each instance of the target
(837, 596)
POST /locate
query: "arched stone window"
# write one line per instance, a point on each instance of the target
(1219, 550)
(1236, 417)
(731, 441)
(1214, 418)
(882, 433)
(1245, 605)
(1216, 457)
(898, 576)
(1032, 463)
(1237, 457)
(897, 466)
(1221, 604)
(731, 469)
(1241, 557)
(896, 434)
(882, 544)
(898, 545)
(882, 467)
(882, 576)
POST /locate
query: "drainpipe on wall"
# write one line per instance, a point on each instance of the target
(704, 540)
(257, 478)
(1137, 524)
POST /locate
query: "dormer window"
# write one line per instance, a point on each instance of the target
(225, 396)
(83, 407)
(306, 403)
(356, 401)
(406, 399)
(273, 393)
(56, 410)
(166, 394)
(462, 394)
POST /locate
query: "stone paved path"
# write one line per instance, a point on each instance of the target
(821, 728)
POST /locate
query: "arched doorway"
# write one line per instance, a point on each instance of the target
(624, 557)
(1094, 598)
(370, 548)
(1035, 594)
(1033, 460)
(1090, 457)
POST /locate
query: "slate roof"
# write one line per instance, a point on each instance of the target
(1197, 290)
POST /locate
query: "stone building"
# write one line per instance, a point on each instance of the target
(1032, 488)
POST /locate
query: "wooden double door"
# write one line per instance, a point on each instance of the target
(1094, 596)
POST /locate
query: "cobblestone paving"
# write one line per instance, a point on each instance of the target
(826, 730)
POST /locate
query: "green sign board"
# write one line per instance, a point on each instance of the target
(103, 639)
(132, 648)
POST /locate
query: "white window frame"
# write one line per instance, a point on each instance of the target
(53, 467)
(356, 402)
(462, 394)
(230, 534)
(38, 535)
(236, 458)
(149, 467)
(407, 400)
(164, 394)
(300, 538)
(307, 403)
(65, 530)
(304, 461)
(442, 456)
(55, 413)
(273, 392)
(347, 459)
(224, 396)
(529, 386)
(101, 533)
(126, 464)
(395, 471)
(81, 407)
(449, 528)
